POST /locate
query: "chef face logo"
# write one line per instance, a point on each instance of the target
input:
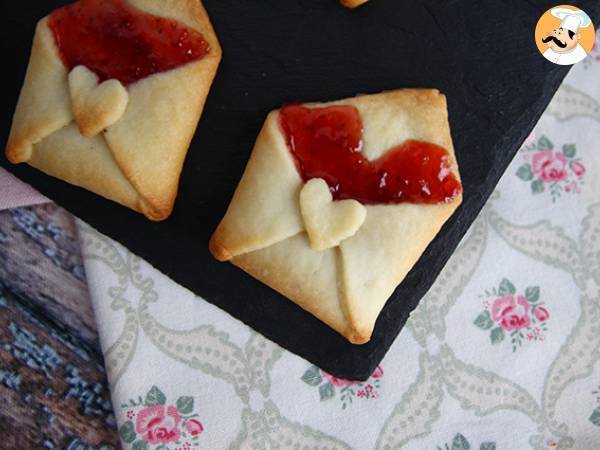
(561, 40)
(564, 35)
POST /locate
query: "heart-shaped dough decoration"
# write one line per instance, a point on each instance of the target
(327, 222)
(95, 106)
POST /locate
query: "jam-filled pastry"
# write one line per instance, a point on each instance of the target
(339, 201)
(112, 97)
(353, 3)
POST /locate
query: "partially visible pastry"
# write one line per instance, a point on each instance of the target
(353, 3)
(112, 97)
(339, 201)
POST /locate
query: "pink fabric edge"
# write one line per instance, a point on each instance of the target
(16, 194)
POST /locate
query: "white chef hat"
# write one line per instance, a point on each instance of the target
(570, 19)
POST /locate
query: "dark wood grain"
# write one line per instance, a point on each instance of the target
(52, 381)
(42, 263)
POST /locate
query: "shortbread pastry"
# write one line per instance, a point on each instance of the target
(353, 3)
(112, 97)
(339, 201)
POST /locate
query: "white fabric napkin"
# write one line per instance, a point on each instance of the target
(502, 353)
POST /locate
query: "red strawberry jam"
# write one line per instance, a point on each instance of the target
(326, 143)
(115, 40)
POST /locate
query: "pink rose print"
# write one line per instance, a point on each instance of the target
(541, 314)
(194, 427)
(378, 373)
(520, 317)
(548, 170)
(341, 382)
(330, 386)
(536, 335)
(511, 314)
(338, 382)
(154, 423)
(158, 424)
(578, 168)
(573, 187)
(550, 166)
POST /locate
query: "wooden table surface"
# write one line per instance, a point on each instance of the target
(53, 385)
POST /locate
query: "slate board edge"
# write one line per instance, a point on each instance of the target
(363, 375)
(330, 364)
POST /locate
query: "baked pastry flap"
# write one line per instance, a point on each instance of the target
(143, 113)
(292, 268)
(353, 3)
(44, 105)
(345, 279)
(264, 208)
(83, 161)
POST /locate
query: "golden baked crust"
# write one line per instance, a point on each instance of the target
(353, 3)
(347, 285)
(148, 142)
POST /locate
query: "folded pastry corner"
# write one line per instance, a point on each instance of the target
(353, 3)
(339, 200)
(99, 113)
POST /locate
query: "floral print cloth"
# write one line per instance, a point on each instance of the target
(521, 316)
(153, 422)
(503, 353)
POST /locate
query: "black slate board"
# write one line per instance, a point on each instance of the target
(480, 53)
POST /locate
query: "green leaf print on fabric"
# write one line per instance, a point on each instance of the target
(506, 288)
(185, 405)
(326, 391)
(155, 397)
(524, 172)
(484, 320)
(537, 187)
(595, 417)
(497, 335)
(544, 144)
(532, 294)
(569, 150)
(127, 432)
(140, 445)
(460, 442)
(487, 446)
(312, 377)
